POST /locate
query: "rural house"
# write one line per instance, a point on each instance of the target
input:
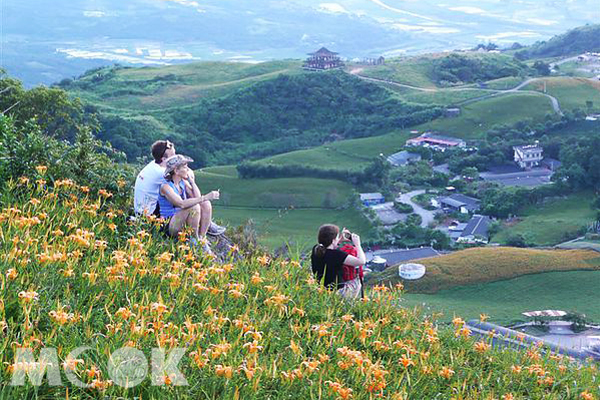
(476, 231)
(457, 202)
(371, 199)
(403, 158)
(436, 142)
(528, 156)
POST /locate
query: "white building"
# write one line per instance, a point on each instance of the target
(528, 156)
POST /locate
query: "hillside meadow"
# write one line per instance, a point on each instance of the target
(137, 90)
(505, 300)
(489, 264)
(555, 221)
(570, 92)
(252, 327)
(283, 210)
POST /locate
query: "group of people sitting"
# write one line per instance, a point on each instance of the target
(167, 188)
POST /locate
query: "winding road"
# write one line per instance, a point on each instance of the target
(495, 92)
(427, 216)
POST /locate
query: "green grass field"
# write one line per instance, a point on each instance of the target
(153, 88)
(444, 97)
(504, 83)
(412, 71)
(297, 226)
(488, 264)
(474, 121)
(285, 209)
(274, 193)
(570, 92)
(504, 301)
(353, 154)
(552, 223)
(479, 117)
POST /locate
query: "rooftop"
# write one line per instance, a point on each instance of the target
(528, 148)
(477, 226)
(402, 157)
(371, 196)
(398, 256)
(323, 51)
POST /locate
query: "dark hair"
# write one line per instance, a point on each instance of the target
(326, 236)
(158, 150)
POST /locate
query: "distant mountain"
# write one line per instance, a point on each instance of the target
(573, 42)
(44, 42)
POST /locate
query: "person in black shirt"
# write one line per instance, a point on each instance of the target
(327, 261)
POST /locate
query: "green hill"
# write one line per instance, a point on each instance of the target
(270, 116)
(573, 42)
(570, 92)
(475, 266)
(135, 90)
(440, 70)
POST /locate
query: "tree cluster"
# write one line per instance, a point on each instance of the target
(457, 68)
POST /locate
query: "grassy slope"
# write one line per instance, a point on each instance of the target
(274, 193)
(489, 264)
(295, 226)
(504, 301)
(287, 209)
(412, 71)
(570, 92)
(479, 117)
(250, 329)
(474, 121)
(417, 71)
(193, 82)
(553, 222)
(346, 154)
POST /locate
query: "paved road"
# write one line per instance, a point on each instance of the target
(494, 92)
(427, 216)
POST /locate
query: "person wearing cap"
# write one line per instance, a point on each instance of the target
(180, 201)
(150, 179)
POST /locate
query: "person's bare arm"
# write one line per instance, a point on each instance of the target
(175, 199)
(360, 258)
(195, 190)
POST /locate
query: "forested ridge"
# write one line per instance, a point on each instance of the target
(573, 42)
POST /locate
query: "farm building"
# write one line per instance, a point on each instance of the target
(457, 202)
(451, 112)
(436, 142)
(476, 231)
(322, 60)
(371, 199)
(528, 156)
(403, 158)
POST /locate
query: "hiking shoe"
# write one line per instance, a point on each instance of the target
(215, 229)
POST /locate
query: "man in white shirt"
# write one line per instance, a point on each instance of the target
(150, 179)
